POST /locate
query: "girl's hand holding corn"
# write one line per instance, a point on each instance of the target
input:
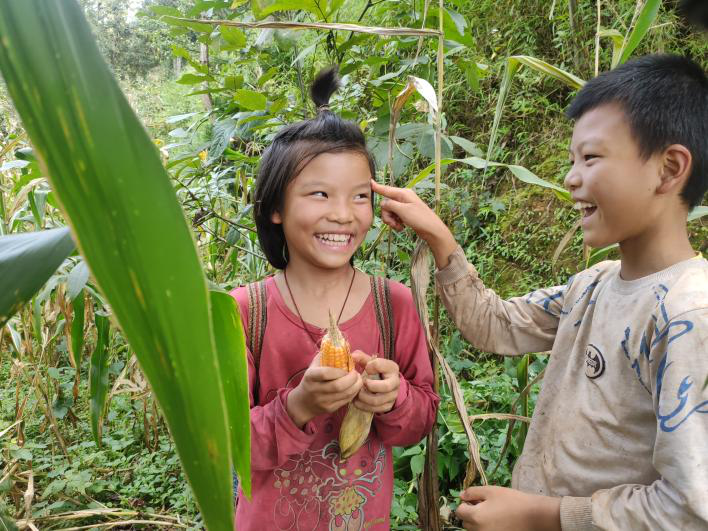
(322, 390)
(377, 395)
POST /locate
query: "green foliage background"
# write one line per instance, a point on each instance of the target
(211, 121)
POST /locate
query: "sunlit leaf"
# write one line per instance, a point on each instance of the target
(643, 23)
(123, 211)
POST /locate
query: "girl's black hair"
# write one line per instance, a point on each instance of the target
(292, 149)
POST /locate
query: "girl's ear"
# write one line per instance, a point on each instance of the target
(276, 218)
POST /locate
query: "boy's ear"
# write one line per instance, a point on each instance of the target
(276, 218)
(676, 168)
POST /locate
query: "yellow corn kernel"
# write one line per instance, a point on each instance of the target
(335, 348)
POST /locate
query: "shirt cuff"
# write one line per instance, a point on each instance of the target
(576, 514)
(303, 437)
(457, 269)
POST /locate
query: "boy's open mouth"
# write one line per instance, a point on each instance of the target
(587, 209)
(334, 240)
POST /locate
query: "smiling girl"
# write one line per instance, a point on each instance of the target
(313, 209)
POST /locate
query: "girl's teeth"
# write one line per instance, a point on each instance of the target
(337, 240)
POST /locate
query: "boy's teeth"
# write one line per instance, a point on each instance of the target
(580, 205)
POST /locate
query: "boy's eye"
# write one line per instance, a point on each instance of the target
(319, 194)
(590, 156)
(363, 195)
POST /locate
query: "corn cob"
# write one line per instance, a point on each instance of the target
(336, 352)
(335, 349)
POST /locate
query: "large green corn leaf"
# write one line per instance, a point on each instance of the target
(231, 347)
(129, 227)
(26, 263)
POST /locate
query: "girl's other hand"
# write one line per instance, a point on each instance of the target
(402, 207)
(377, 395)
(322, 390)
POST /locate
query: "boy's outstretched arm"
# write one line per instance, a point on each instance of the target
(515, 326)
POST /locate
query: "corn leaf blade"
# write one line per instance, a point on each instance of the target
(98, 377)
(129, 227)
(231, 348)
(26, 263)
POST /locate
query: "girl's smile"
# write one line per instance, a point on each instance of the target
(327, 210)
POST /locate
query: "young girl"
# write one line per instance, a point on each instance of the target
(313, 208)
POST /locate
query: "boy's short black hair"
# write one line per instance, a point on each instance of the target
(292, 149)
(665, 98)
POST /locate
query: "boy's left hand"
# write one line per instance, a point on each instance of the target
(503, 509)
(377, 396)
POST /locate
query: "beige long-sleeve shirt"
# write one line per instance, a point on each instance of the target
(620, 428)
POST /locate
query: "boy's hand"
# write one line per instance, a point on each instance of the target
(321, 390)
(377, 395)
(402, 207)
(502, 509)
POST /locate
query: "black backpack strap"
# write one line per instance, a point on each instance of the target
(257, 320)
(384, 314)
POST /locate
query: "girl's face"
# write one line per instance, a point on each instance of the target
(327, 210)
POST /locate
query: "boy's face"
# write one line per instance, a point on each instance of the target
(327, 210)
(612, 186)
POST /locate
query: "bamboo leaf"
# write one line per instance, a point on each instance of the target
(231, 348)
(643, 23)
(98, 377)
(617, 42)
(26, 263)
(138, 245)
(512, 65)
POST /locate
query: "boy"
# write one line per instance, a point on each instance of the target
(619, 436)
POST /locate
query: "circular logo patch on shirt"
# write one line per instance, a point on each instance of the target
(594, 362)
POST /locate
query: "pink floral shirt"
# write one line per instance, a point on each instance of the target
(299, 482)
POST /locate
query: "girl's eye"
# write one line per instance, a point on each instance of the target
(590, 156)
(319, 194)
(364, 195)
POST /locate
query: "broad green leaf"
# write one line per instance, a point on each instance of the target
(263, 8)
(470, 147)
(529, 177)
(199, 27)
(698, 213)
(231, 348)
(26, 262)
(643, 24)
(512, 65)
(77, 329)
(234, 36)
(250, 99)
(138, 246)
(193, 79)
(98, 377)
(77, 279)
(617, 42)
(166, 11)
